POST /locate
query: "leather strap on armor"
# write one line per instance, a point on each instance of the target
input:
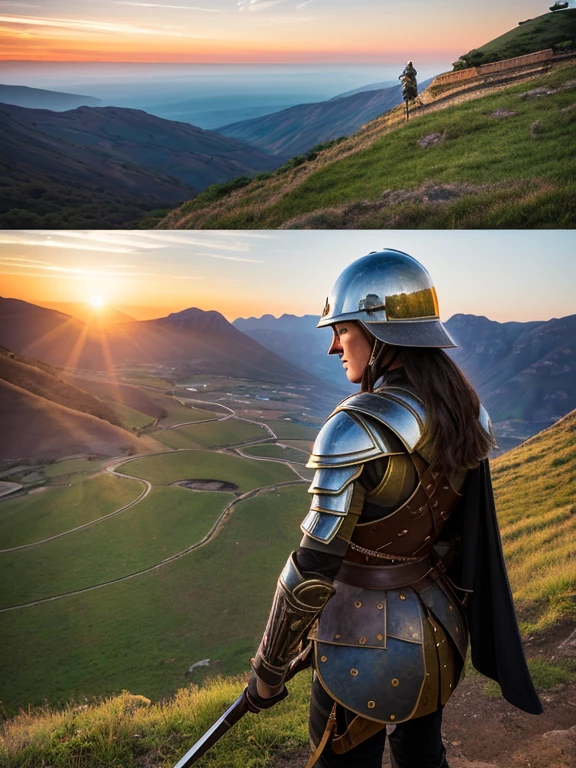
(387, 576)
(297, 603)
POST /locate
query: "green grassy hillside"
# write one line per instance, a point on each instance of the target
(503, 160)
(548, 31)
(535, 486)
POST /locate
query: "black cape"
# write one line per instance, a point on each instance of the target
(494, 635)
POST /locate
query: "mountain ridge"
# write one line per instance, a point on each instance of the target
(141, 160)
(192, 341)
(303, 126)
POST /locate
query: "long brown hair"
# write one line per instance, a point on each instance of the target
(453, 438)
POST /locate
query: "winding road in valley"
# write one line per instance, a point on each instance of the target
(210, 535)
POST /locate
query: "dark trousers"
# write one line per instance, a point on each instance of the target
(413, 744)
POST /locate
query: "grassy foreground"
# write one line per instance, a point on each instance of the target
(127, 731)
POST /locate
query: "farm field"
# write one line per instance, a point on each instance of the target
(274, 451)
(177, 413)
(130, 418)
(166, 522)
(76, 467)
(37, 516)
(167, 468)
(290, 430)
(142, 634)
(211, 434)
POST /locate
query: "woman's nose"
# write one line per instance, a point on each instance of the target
(336, 346)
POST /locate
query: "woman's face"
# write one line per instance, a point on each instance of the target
(354, 348)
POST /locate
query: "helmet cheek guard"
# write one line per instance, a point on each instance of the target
(393, 297)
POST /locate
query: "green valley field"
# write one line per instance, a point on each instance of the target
(112, 569)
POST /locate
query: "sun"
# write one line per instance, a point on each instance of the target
(96, 301)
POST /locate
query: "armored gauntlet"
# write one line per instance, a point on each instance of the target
(297, 602)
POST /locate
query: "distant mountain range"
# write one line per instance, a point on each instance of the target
(38, 98)
(300, 128)
(190, 342)
(298, 340)
(107, 166)
(524, 372)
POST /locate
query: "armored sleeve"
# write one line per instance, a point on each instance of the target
(351, 450)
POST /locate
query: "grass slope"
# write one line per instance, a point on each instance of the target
(276, 452)
(496, 172)
(144, 633)
(210, 435)
(166, 522)
(535, 35)
(535, 486)
(37, 516)
(169, 468)
(289, 429)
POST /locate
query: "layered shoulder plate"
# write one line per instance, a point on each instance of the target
(348, 438)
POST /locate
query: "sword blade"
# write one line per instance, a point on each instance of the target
(220, 727)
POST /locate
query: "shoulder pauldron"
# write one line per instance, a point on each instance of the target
(364, 427)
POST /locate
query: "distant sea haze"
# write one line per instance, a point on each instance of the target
(209, 95)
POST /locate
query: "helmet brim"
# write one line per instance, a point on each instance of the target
(415, 333)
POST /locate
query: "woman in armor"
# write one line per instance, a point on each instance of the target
(400, 561)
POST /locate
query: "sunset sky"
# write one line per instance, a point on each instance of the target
(253, 30)
(509, 275)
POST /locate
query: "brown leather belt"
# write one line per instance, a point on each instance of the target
(387, 576)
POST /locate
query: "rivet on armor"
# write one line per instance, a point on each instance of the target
(445, 665)
(353, 672)
(379, 606)
(371, 704)
(392, 717)
(435, 504)
(323, 658)
(415, 635)
(379, 637)
(402, 533)
(450, 686)
(421, 509)
(457, 630)
(434, 628)
(450, 608)
(395, 682)
(358, 604)
(402, 597)
(336, 637)
(446, 487)
(362, 641)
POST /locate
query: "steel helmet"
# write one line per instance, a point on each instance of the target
(393, 296)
